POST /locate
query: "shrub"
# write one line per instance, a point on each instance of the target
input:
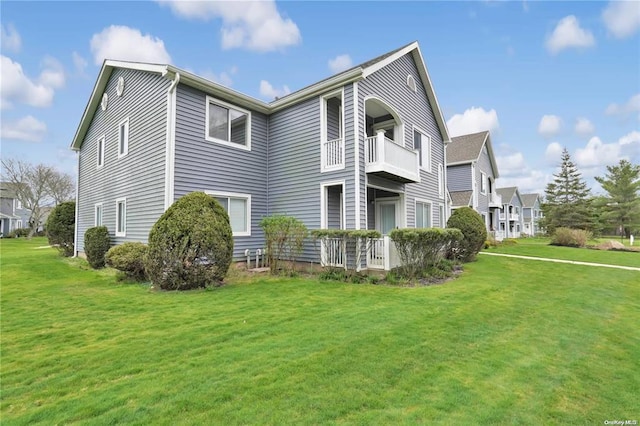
(96, 245)
(61, 227)
(19, 233)
(128, 258)
(421, 248)
(191, 244)
(570, 237)
(284, 237)
(473, 230)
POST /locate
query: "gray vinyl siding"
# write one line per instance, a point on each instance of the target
(202, 165)
(6, 206)
(459, 178)
(390, 85)
(483, 165)
(140, 175)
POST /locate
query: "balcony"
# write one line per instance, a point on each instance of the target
(514, 216)
(495, 200)
(386, 158)
(333, 154)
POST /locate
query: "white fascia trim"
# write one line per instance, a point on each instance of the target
(323, 130)
(356, 141)
(75, 237)
(323, 201)
(423, 133)
(123, 233)
(415, 209)
(238, 196)
(170, 145)
(386, 61)
(212, 100)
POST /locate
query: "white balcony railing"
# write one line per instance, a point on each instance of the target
(383, 254)
(384, 155)
(333, 153)
(514, 216)
(495, 199)
(333, 252)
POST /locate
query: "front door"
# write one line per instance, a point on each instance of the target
(387, 219)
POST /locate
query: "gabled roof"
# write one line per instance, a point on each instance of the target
(467, 149)
(461, 198)
(356, 73)
(529, 200)
(6, 191)
(508, 193)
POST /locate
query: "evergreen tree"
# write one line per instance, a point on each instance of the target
(567, 201)
(621, 205)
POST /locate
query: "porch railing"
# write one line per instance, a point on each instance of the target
(383, 254)
(333, 252)
(333, 153)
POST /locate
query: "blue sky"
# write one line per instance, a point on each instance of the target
(539, 75)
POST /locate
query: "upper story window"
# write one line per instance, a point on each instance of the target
(422, 143)
(238, 206)
(331, 131)
(483, 183)
(100, 151)
(17, 204)
(123, 138)
(423, 215)
(228, 124)
(411, 83)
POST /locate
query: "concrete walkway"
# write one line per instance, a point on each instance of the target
(574, 262)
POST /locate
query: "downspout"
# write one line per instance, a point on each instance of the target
(268, 159)
(75, 241)
(170, 146)
(447, 207)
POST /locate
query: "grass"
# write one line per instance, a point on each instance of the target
(503, 344)
(539, 247)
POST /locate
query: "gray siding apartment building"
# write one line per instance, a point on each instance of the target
(363, 149)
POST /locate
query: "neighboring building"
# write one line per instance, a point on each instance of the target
(510, 217)
(363, 149)
(531, 213)
(471, 175)
(12, 215)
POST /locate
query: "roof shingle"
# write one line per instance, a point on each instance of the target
(466, 148)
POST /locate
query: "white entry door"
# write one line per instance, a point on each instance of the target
(386, 216)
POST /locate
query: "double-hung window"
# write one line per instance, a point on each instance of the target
(98, 215)
(238, 206)
(483, 183)
(100, 151)
(121, 217)
(123, 138)
(227, 124)
(422, 143)
(423, 215)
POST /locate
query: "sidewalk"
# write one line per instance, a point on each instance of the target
(574, 262)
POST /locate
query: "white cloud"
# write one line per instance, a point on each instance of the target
(254, 25)
(553, 153)
(549, 125)
(26, 129)
(568, 34)
(79, 63)
(127, 44)
(473, 120)
(626, 109)
(269, 92)
(584, 127)
(622, 18)
(527, 180)
(510, 165)
(9, 38)
(340, 63)
(16, 87)
(595, 155)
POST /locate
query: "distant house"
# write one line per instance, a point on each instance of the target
(12, 215)
(531, 213)
(363, 149)
(510, 216)
(471, 175)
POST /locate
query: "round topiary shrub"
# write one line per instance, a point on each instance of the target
(128, 258)
(61, 227)
(96, 245)
(191, 245)
(473, 229)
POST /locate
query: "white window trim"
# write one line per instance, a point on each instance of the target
(415, 211)
(441, 180)
(212, 100)
(124, 122)
(95, 214)
(123, 233)
(236, 195)
(443, 217)
(323, 203)
(19, 224)
(323, 129)
(483, 183)
(102, 146)
(428, 136)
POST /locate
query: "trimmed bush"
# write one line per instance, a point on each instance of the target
(96, 245)
(191, 245)
(473, 230)
(61, 227)
(420, 249)
(570, 237)
(284, 237)
(128, 258)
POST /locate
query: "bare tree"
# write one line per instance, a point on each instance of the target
(61, 187)
(30, 183)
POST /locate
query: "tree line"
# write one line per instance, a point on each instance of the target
(37, 186)
(569, 202)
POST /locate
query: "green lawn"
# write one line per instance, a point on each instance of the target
(539, 247)
(510, 342)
